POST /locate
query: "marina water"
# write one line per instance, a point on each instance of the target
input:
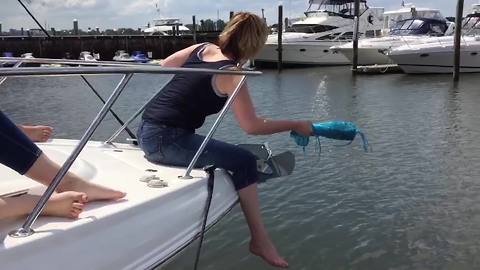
(413, 203)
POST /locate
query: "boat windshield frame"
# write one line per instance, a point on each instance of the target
(340, 8)
(127, 70)
(418, 26)
(471, 24)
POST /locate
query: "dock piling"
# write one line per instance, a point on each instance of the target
(355, 36)
(279, 40)
(458, 40)
(231, 15)
(194, 22)
(75, 27)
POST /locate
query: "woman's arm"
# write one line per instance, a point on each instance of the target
(178, 59)
(246, 116)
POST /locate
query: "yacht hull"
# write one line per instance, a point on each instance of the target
(437, 61)
(303, 53)
(142, 231)
(366, 56)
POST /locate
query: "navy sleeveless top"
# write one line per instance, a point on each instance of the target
(188, 98)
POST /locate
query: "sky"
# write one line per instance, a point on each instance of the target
(137, 13)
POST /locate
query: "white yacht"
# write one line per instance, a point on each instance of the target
(326, 23)
(436, 54)
(122, 56)
(371, 51)
(408, 11)
(161, 214)
(165, 26)
(86, 56)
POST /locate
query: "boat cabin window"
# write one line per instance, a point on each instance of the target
(342, 8)
(310, 28)
(419, 27)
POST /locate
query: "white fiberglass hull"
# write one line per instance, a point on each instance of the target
(303, 53)
(366, 56)
(427, 58)
(372, 51)
(145, 229)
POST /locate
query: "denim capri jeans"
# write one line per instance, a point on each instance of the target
(176, 147)
(17, 151)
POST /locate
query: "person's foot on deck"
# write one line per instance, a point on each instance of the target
(67, 204)
(37, 133)
(266, 250)
(94, 192)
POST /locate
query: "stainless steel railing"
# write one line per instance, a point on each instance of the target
(127, 71)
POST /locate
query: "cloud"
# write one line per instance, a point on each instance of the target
(136, 13)
(59, 4)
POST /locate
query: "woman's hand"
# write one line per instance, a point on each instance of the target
(304, 128)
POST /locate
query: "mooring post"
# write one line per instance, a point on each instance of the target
(231, 15)
(458, 41)
(355, 36)
(279, 40)
(194, 30)
(75, 27)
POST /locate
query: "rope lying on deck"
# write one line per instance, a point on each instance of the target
(210, 170)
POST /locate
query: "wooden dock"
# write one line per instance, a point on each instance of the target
(379, 69)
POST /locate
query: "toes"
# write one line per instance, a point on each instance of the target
(80, 197)
(73, 214)
(78, 206)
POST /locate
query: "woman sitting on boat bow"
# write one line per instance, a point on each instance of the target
(167, 132)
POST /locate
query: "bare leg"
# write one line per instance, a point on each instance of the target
(37, 133)
(44, 170)
(67, 204)
(260, 243)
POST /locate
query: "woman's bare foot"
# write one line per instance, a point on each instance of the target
(268, 252)
(37, 133)
(94, 192)
(66, 204)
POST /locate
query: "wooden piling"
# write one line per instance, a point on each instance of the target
(458, 40)
(231, 15)
(279, 40)
(194, 30)
(75, 27)
(355, 36)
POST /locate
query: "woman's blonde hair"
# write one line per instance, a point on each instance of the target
(243, 36)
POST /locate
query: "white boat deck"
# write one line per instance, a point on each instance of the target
(147, 226)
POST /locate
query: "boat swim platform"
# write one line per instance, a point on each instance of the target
(146, 228)
(379, 69)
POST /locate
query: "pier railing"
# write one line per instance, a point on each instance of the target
(98, 68)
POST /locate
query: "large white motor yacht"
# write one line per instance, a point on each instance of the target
(436, 54)
(165, 26)
(408, 25)
(326, 23)
(371, 51)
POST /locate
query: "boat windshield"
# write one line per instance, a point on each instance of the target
(471, 25)
(419, 27)
(310, 28)
(341, 8)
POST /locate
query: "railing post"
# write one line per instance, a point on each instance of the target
(212, 130)
(130, 133)
(26, 229)
(124, 126)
